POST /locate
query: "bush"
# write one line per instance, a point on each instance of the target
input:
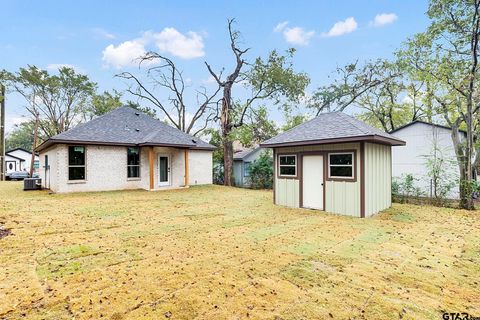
(405, 187)
(261, 172)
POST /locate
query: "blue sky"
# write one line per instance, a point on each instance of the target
(100, 38)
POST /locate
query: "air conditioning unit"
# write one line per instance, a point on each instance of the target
(32, 184)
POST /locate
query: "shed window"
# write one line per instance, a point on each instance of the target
(133, 162)
(287, 166)
(246, 169)
(76, 163)
(340, 165)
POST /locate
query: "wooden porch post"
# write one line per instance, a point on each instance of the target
(152, 173)
(186, 168)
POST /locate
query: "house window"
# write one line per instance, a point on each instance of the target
(287, 166)
(133, 162)
(340, 165)
(246, 169)
(76, 163)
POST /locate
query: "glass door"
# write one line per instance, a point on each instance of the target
(163, 170)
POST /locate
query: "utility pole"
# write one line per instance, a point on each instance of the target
(35, 135)
(2, 132)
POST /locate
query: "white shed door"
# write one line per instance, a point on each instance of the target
(312, 182)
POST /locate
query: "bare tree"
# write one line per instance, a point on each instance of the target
(271, 79)
(165, 75)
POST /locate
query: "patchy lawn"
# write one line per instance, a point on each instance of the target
(224, 253)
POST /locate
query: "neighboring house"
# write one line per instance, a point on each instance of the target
(19, 159)
(241, 165)
(421, 138)
(335, 163)
(124, 149)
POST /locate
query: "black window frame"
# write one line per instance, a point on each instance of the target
(129, 166)
(351, 165)
(280, 166)
(77, 166)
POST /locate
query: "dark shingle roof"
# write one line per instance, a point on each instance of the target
(127, 126)
(243, 154)
(331, 127)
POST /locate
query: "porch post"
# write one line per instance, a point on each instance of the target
(152, 172)
(186, 168)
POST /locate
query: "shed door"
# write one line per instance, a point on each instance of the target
(312, 176)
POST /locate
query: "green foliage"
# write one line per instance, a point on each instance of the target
(21, 137)
(275, 78)
(58, 99)
(293, 121)
(405, 187)
(261, 172)
(257, 130)
(440, 171)
(103, 103)
(147, 110)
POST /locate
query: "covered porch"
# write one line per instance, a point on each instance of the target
(167, 167)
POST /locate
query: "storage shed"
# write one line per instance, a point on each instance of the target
(334, 163)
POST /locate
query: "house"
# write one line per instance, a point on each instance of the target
(241, 165)
(124, 149)
(423, 140)
(19, 159)
(335, 163)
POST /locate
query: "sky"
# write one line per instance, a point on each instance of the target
(101, 38)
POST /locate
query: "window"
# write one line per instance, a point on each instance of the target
(76, 163)
(36, 164)
(133, 162)
(246, 169)
(287, 166)
(340, 165)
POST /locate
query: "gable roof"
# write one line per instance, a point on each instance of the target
(126, 126)
(14, 157)
(21, 149)
(424, 122)
(332, 127)
(244, 153)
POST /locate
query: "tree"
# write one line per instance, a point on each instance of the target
(386, 98)
(103, 103)
(58, 99)
(258, 128)
(21, 136)
(272, 79)
(446, 56)
(167, 78)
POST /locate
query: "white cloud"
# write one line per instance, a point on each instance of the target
(281, 26)
(125, 54)
(383, 19)
(100, 32)
(298, 35)
(169, 40)
(295, 35)
(342, 27)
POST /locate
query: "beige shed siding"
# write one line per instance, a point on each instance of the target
(287, 192)
(378, 178)
(340, 197)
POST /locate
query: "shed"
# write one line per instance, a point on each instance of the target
(334, 163)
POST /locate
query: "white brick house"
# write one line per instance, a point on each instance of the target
(124, 149)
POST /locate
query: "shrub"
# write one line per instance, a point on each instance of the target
(261, 172)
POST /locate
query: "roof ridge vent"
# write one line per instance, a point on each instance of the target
(137, 113)
(138, 130)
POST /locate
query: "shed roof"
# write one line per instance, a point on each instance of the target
(332, 127)
(128, 127)
(244, 153)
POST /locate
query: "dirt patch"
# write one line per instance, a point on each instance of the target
(4, 232)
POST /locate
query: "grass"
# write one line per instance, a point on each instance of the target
(224, 253)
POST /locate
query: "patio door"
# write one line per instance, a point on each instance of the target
(312, 177)
(164, 170)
